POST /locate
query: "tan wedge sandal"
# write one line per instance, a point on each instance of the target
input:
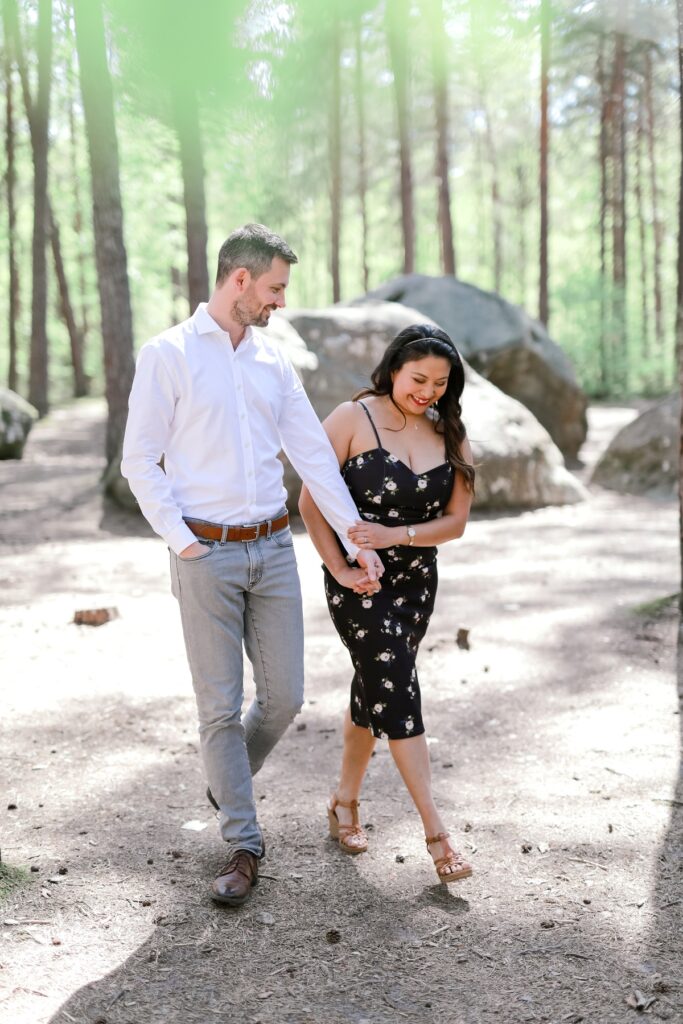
(351, 838)
(452, 867)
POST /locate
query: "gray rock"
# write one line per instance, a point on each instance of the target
(520, 466)
(17, 417)
(643, 457)
(503, 344)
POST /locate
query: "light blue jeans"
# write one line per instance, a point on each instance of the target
(241, 594)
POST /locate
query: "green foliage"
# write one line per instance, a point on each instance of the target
(260, 74)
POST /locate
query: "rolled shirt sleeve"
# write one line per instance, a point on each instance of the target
(308, 448)
(151, 409)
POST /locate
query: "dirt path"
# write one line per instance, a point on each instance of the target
(557, 734)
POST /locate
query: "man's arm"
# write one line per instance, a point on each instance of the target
(151, 408)
(308, 448)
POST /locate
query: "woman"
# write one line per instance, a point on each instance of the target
(408, 465)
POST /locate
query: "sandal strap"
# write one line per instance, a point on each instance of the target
(453, 859)
(437, 839)
(350, 806)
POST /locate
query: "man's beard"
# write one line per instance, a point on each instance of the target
(248, 314)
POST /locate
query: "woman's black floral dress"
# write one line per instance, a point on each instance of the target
(383, 631)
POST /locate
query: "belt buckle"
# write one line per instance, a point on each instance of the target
(251, 526)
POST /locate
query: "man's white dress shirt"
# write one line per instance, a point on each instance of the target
(220, 416)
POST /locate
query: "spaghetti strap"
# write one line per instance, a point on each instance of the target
(372, 422)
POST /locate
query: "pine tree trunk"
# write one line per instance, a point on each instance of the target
(66, 309)
(440, 76)
(186, 120)
(657, 225)
(604, 365)
(679, 296)
(617, 136)
(110, 250)
(77, 218)
(335, 152)
(11, 179)
(642, 234)
(397, 36)
(543, 310)
(362, 155)
(38, 364)
(523, 201)
(496, 212)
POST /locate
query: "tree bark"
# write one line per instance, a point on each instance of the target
(642, 234)
(397, 37)
(77, 217)
(188, 131)
(362, 154)
(38, 364)
(110, 250)
(335, 152)
(440, 77)
(679, 295)
(604, 365)
(66, 310)
(11, 178)
(618, 163)
(657, 226)
(543, 311)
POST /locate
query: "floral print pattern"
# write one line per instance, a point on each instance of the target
(383, 632)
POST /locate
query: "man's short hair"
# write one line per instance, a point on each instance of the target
(252, 246)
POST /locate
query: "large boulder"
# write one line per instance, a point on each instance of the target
(519, 466)
(504, 345)
(643, 457)
(17, 417)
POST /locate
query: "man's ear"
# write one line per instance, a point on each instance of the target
(241, 278)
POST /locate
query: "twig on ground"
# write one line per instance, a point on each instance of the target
(590, 863)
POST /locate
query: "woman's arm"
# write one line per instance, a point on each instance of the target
(436, 531)
(339, 428)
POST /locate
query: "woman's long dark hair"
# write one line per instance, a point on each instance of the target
(415, 343)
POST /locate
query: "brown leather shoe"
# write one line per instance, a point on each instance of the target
(234, 882)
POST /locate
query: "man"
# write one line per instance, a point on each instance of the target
(219, 399)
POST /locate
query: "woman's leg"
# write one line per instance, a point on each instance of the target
(359, 744)
(411, 756)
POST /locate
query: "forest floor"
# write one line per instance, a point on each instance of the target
(555, 752)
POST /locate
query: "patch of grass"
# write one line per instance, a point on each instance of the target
(10, 879)
(652, 609)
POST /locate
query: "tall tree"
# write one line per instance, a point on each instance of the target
(38, 366)
(359, 82)
(14, 34)
(110, 250)
(398, 13)
(10, 181)
(543, 310)
(335, 147)
(679, 299)
(604, 361)
(186, 117)
(657, 226)
(442, 168)
(617, 135)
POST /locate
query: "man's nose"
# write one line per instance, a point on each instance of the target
(280, 302)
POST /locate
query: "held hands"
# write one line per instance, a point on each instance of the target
(369, 536)
(356, 580)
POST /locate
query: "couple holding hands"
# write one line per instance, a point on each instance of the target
(389, 471)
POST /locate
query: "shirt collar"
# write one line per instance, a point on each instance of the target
(204, 323)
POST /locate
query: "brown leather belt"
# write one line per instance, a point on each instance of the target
(253, 531)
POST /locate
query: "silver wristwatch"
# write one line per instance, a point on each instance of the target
(411, 534)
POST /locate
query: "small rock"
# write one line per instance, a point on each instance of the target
(400, 859)
(468, 826)
(63, 871)
(150, 860)
(548, 923)
(527, 847)
(56, 941)
(587, 902)
(34, 867)
(11, 807)
(263, 917)
(543, 848)
(145, 903)
(301, 727)
(333, 936)
(462, 639)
